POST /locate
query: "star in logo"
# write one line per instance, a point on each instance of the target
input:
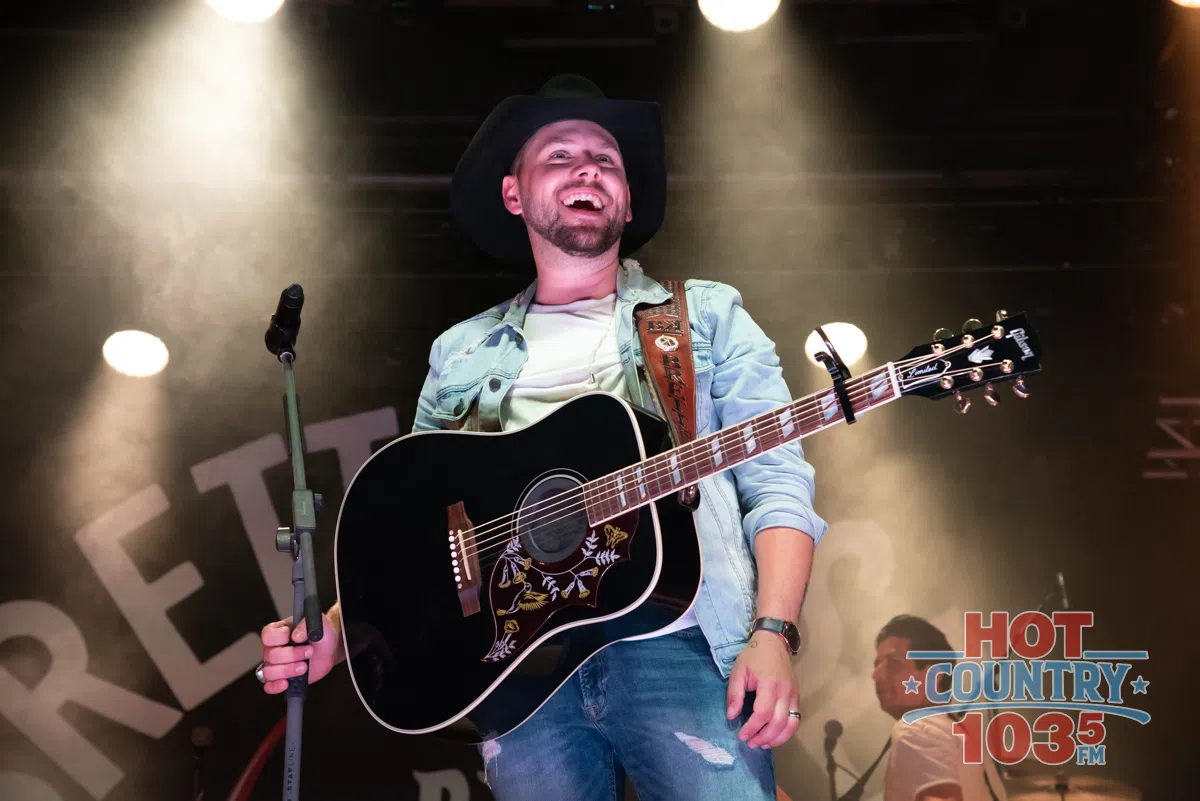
(1139, 685)
(911, 686)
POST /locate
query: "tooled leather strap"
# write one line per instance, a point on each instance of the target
(667, 353)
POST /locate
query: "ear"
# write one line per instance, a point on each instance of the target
(628, 205)
(511, 193)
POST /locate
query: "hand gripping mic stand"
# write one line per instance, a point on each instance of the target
(281, 341)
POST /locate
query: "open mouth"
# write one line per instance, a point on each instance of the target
(583, 201)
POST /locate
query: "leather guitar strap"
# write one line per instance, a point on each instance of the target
(667, 353)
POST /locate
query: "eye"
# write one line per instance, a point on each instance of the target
(558, 153)
(604, 158)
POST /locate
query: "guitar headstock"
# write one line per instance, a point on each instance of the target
(982, 356)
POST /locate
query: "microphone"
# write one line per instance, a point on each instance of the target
(285, 322)
(1062, 590)
(833, 730)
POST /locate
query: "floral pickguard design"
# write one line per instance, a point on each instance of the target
(524, 596)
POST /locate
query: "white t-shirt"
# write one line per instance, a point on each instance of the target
(571, 349)
(927, 753)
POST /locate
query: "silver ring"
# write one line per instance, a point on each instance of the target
(793, 713)
(258, 673)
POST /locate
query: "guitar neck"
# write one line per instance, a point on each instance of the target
(670, 471)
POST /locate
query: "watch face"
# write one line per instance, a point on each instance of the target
(793, 637)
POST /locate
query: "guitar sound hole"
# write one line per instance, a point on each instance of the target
(552, 520)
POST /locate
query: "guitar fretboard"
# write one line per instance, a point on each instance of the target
(659, 476)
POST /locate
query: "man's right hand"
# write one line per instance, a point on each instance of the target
(284, 660)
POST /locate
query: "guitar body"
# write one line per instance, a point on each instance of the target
(429, 655)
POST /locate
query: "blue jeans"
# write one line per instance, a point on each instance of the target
(653, 709)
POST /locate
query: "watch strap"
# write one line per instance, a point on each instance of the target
(785, 629)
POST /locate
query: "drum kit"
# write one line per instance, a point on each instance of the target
(1061, 787)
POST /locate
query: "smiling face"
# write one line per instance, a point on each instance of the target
(569, 185)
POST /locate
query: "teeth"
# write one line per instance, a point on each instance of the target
(593, 199)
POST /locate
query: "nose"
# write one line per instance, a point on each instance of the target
(588, 167)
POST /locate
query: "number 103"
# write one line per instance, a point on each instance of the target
(1010, 737)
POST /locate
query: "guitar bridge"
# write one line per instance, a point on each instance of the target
(464, 559)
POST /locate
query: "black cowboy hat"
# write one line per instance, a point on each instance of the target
(475, 197)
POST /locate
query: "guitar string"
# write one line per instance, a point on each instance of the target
(499, 550)
(541, 522)
(477, 545)
(859, 390)
(606, 483)
(854, 385)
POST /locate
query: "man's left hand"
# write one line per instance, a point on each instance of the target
(764, 667)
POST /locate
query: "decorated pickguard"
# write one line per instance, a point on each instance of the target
(525, 593)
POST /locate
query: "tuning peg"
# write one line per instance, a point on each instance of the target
(989, 395)
(962, 403)
(942, 333)
(1020, 390)
(1001, 315)
(971, 325)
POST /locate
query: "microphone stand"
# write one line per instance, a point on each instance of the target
(856, 790)
(831, 767)
(297, 541)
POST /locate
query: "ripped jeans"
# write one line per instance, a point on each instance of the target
(653, 709)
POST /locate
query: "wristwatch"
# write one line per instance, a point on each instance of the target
(789, 632)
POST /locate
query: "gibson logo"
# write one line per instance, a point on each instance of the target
(1018, 335)
(926, 370)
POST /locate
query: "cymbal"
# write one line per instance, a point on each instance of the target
(1077, 788)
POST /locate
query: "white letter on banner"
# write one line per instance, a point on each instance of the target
(35, 711)
(145, 605)
(242, 469)
(353, 437)
(434, 783)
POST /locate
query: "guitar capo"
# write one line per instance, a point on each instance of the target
(838, 372)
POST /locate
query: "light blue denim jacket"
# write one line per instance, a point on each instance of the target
(473, 364)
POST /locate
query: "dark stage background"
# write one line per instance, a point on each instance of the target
(899, 165)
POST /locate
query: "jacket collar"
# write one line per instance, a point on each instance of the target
(633, 287)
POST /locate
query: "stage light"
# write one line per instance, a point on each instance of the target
(848, 340)
(246, 10)
(135, 353)
(739, 15)
(1188, 3)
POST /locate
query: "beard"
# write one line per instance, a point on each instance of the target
(579, 239)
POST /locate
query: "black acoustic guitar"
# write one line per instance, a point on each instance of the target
(477, 571)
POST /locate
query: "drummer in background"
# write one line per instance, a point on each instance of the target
(926, 760)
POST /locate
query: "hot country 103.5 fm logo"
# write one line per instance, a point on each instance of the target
(1020, 675)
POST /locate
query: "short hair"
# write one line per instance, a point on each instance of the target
(921, 635)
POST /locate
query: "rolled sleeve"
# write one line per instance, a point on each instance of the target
(777, 488)
(424, 419)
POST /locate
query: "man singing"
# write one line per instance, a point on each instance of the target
(567, 183)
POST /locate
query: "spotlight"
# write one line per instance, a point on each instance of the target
(1188, 3)
(848, 340)
(246, 10)
(135, 353)
(740, 15)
